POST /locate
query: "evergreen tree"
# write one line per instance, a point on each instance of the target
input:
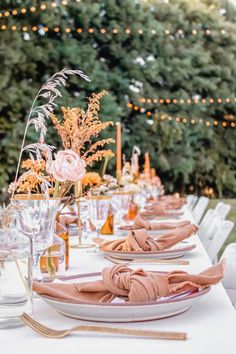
(169, 54)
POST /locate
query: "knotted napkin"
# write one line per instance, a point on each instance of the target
(140, 222)
(151, 211)
(131, 285)
(140, 241)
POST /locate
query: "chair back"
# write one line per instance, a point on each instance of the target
(191, 201)
(223, 209)
(200, 208)
(219, 238)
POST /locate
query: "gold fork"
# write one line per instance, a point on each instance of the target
(54, 333)
(145, 260)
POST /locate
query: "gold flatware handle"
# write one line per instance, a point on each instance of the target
(164, 261)
(54, 333)
(147, 260)
(134, 332)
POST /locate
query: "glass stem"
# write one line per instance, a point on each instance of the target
(36, 269)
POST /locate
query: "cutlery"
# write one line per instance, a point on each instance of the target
(54, 333)
(117, 260)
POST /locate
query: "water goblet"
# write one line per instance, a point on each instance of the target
(121, 202)
(98, 207)
(37, 221)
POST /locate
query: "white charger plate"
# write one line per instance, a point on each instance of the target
(176, 251)
(121, 311)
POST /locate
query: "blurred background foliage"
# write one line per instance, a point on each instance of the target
(172, 62)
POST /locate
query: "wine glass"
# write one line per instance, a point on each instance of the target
(37, 220)
(140, 199)
(83, 220)
(121, 202)
(98, 207)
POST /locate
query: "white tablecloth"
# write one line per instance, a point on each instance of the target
(210, 324)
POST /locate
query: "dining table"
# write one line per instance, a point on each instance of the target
(210, 323)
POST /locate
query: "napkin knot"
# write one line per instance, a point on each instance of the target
(135, 285)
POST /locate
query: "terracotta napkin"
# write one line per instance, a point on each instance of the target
(170, 197)
(140, 241)
(132, 285)
(167, 204)
(151, 211)
(140, 222)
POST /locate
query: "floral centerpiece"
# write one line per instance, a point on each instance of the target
(49, 174)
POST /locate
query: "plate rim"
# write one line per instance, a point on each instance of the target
(189, 295)
(176, 250)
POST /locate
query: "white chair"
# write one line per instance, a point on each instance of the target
(206, 217)
(207, 234)
(218, 206)
(220, 237)
(229, 280)
(223, 209)
(191, 201)
(200, 208)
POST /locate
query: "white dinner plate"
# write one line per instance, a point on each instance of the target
(150, 232)
(176, 251)
(119, 310)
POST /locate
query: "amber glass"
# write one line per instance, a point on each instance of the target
(132, 212)
(108, 227)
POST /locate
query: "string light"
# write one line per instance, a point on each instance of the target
(167, 32)
(188, 100)
(184, 120)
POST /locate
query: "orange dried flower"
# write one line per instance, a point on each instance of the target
(91, 179)
(79, 128)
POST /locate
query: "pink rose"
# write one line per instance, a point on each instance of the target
(67, 166)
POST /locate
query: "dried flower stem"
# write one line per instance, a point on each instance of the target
(48, 90)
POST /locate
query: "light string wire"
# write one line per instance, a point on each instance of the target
(162, 117)
(104, 31)
(36, 8)
(193, 100)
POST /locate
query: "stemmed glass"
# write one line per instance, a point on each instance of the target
(121, 202)
(98, 210)
(83, 219)
(37, 221)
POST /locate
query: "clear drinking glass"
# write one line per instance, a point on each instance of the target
(37, 220)
(82, 224)
(121, 202)
(15, 277)
(53, 259)
(98, 207)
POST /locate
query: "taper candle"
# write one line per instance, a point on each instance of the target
(118, 152)
(147, 165)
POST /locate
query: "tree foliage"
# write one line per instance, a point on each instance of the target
(128, 66)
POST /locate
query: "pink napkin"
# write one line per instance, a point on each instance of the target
(152, 211)
(140, 222)
(132, 285)
(140, 241)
